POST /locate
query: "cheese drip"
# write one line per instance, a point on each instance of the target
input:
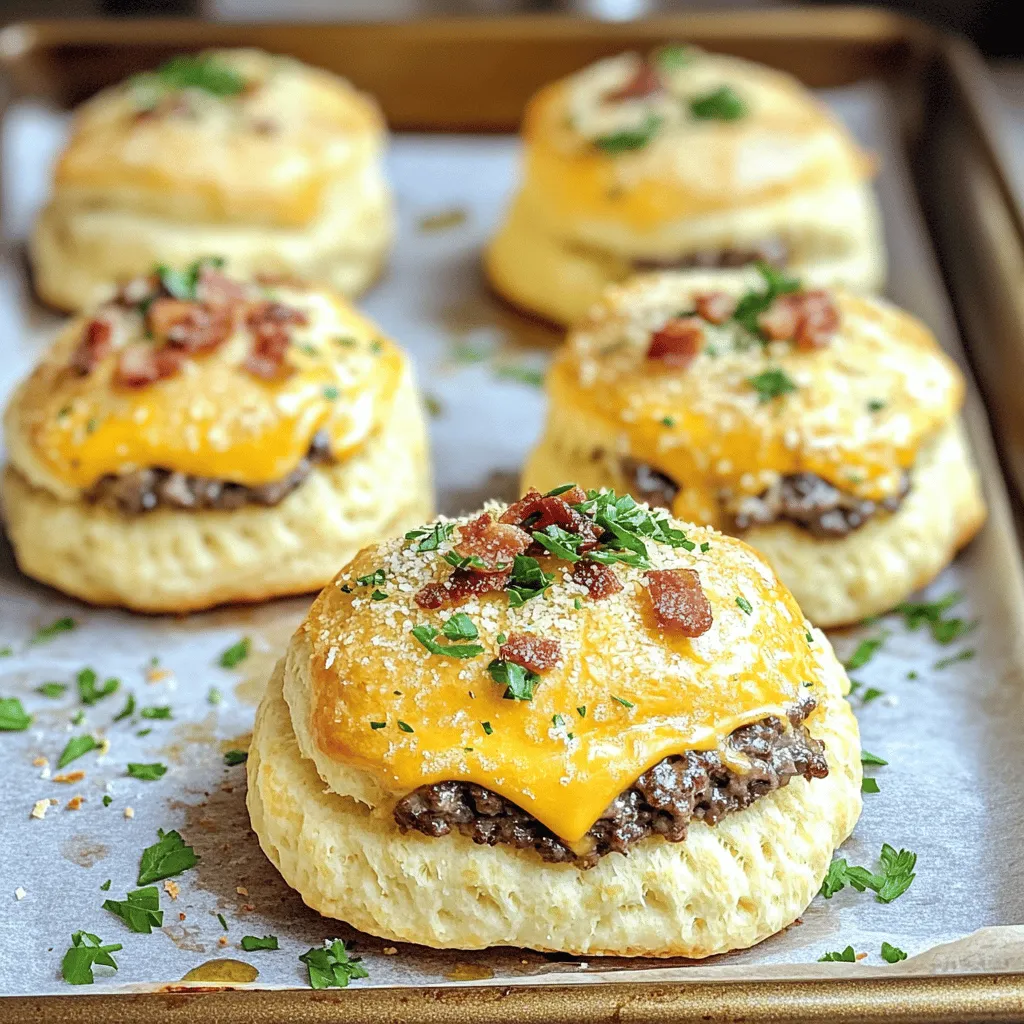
(383, 704)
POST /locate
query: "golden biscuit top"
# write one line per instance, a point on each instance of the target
(200, 373)
(725, 387)
(421, 671)
(679, 134)
(226, 135)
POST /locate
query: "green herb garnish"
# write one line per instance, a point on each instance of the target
(894, 878)
(869, 785)
(965, 655)
(405, 726)
(673, 57)
(161, 712)
(236, 653)
(64, 625)
(75, 748)
(872, 759)
(214, 696)
(721, 104)
(621, 700)
(864, 652)
(52, 691)
(250, 943)
(771, 384)
(846, 956)
(744, 605)
(487, 728)
(892, 954)
(519, 682)
(630, 138)
(89, 692)
(233, 757)
(13, 717)
(330, 966)
(426, 636)
(432, 539)
(198, 71)
(170, 856)
(140, 911)
(184, 284)
(528, 580)
(87, 951)
(147, 772)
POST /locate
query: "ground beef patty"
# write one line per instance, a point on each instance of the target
(147, 489)
(661, 802)
(801, 498)
(773, 251)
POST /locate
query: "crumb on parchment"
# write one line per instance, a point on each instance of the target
(129, 812)
(172, 888)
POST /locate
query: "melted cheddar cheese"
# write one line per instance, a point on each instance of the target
(861, 409)
(212, 418)
(786, 142)
(625, 694)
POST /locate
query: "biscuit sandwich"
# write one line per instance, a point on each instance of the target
(569, 724)
(271, 163)
(204, 438)
(821, 426)
(681, 159)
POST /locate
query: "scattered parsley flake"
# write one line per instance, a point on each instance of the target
(621, 700)
(52, 691)
(864, 652)
(75, 748)
(214, 696)
(87, 951)
(965, 655)
(377, 578)
(250, 943)
(105, 887)
(236, 653)
(674, 57)
(630, 138)
(378, 725)
(582, 711)
(869, 785)
(140, 911)
(892, 954)
(78, 717)
(147, 772)
(745, 605)
(169, 856)
(870, 694)
(876, 405)
(159, 712)
(577, 603)
(432, 539)
(223, 923)
(233, 757)
(846, 956)
(460, 627)
(895, 877)
(404, 726)
(13, 717)
(107, 799)
(64, 625)
(557, 720)
(872, 759)
(378, 595)
(771, 384)
(528, 375)
(487, 728)
(198, 71)
(528, 580)
(519, 682)
(426, 635)
(721, 104)
(89, 692)
(128, 710)
(705, 548)
(330, 966)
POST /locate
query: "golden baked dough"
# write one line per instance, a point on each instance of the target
(260, 158)
(190, 472)
(362, 706)
(616, 179)
(876, 406)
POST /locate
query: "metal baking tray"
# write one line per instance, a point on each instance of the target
(453, 91)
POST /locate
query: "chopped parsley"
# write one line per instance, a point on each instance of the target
(78, 717)
(965, 655)
(864, 652)
(847, 956)
(869, 785)
(378, 595)
(876, 405)
(721, 104)
(870, 694)
(52, 691)
(236, 653)
(582, 711)
(377, 578)
(432, 539)
(160, 712)
(528, 580)
(184, 284)
(894, 878)
(87, 951)
(668, 421)
(405, 726)
(487, 727)
(223, 923)
(577, 603)
(378, 725)
(233, 757)
(528, 375)
(6, 651)
(745, 605)
(426, 635)
(64, 625)
(89, 692)
(771, 384)
(128, 710)
(330, 966)
(705, 548)
(460, 627)
(557, 720)
(630, 138)
(214, 696)
(13, 717)
(331, 393)
(140, 911)
(198, 71)
(872, 759)
(75, 748)
(105, 887)
(673, 57)
(169, 856)
(519, 682)
(933, 615)
(147, 772)
(250, 943)
(621, 700)
(561, 543)
(107, 800)
(892, 954)
(754, 303)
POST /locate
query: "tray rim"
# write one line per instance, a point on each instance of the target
(962, 997)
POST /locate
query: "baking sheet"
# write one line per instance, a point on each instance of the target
(951, 735)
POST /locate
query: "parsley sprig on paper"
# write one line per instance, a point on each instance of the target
(892, 880)
(87, 951)
(330, 966)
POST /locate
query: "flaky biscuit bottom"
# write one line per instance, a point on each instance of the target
(726, 887)
(79, 251)
(178, 561)
(836, 582)
(544, 269)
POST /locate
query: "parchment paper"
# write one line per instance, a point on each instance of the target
(951, 791)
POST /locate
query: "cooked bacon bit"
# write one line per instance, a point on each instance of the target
(645, 82)
(810, 319)
(93, 348)
(600, 580)
(493, 543)
(191, 326)
(537, 653)
(460, 586)
(75, 803)
(140, 364)
(76, 776)
(679, 342)
(715, 307)
(536, 511)
(679, 601)
(268, 322)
